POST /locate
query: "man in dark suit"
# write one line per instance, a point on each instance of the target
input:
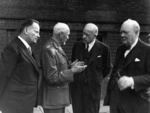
(86, 88)
(148, 38)
(19, 73)
(57, 72)
(129, 85)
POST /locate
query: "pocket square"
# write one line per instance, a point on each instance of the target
(98, 56)
(137, 60)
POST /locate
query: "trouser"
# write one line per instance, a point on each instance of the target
(115, 104)
(83, 102)
(61, 110)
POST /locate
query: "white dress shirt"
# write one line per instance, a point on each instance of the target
(24, 42)
(91, 45)
(132, 46)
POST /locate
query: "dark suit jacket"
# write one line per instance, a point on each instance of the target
(97, 68)
(19, 78)
(136, 65)
(55, 94)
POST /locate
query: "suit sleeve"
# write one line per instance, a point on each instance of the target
(142, 82)
(73, 53)
(106, 61)
(112, 80)
(8, 63)
(52, 69)
(73, 58)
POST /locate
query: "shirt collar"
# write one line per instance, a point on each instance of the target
(55, 42)
(24, 42)
(91, 45)
(134, 44)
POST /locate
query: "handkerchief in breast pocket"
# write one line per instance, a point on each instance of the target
(98, 56)
(137, 60)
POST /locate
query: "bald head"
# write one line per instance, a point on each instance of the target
(130, 30)
(91, 28)
(132, 24)
(61, 33)
(60, 27)
(90, 33)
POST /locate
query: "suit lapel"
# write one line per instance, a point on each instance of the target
(61, 51)
(133, 53)
(81, 51)
(94, 51)
(26, 53)
(58, 47)
(119, 60)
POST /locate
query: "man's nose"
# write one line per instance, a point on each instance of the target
(122, 35)
(38, 35)
(83, 36)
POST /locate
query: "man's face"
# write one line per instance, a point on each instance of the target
(128, 34)
(33, 33)
(88, 35)
(64, 37)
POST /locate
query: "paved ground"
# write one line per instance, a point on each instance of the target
(103, 109)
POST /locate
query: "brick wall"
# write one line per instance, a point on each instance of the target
(107, 14)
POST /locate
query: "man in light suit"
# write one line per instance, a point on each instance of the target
(86, 87)
(129, 85)
(57, 72)
(19, 73)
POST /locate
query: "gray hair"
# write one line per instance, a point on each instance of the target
(60, 27)
(135, 25)
(92, 27)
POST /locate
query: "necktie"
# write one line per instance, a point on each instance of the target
(29, 50)
(86, 51)
(87, 48)
(86, 55)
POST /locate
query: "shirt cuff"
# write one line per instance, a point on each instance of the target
(132, 83)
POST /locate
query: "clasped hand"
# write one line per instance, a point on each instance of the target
(125, 82)
(78, 66)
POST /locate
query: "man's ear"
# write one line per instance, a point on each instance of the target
(26, 30)
(61, 34)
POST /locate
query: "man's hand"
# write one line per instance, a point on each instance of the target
(73, 63)
(125, 82)
(78, 66)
